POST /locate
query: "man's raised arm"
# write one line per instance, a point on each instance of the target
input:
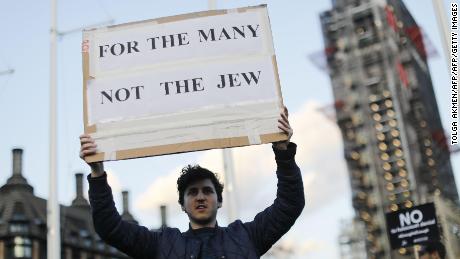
(134, 240)
(271, 224)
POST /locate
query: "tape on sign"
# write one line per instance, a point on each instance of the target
(110, 152)
(253, 133)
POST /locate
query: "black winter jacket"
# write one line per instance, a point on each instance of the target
(236, 241)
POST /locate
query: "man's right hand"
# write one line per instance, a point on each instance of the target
(87, 148)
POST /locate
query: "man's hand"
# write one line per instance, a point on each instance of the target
(87, 148)
(283, 124)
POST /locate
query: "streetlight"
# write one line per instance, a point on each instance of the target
(52, 206)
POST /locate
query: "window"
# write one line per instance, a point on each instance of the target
(19, 228)
(87, 242)
(22, 247)
(100, 245)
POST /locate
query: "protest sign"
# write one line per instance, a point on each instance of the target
(413, 226)
(182, 83)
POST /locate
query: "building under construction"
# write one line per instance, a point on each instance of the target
(395, 147)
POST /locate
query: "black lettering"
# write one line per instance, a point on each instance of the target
(254, 32)
(197, 84)
(237, 30)
(182, 39)
(117, 94)
(153, 41)
(224, 33)
(222, 82)
(165, 41)
(113, 49)
(182, 86)
(206, 36)
(234, 80)
(102, 50)
(109, 97)
(132, 47)
(138, 94)
(167, 84)
(253, 76)
(179, 86)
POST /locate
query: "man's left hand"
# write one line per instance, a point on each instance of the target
(283, 124)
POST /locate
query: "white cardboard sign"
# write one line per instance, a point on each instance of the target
(182, 83)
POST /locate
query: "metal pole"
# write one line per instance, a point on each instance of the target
(416, 252)
(443, 28)
(229, 185)
(228, 166)
(52, 208)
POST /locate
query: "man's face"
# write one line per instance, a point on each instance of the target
(200, 204)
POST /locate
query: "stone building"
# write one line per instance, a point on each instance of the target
(23, 230)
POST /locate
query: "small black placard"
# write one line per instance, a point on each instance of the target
(412, 226)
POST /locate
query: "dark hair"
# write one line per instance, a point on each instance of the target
(430, 247)
(191, 174)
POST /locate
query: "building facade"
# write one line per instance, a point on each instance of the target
(448, 214)
(395, 147)
(23, 230)
(352, 239)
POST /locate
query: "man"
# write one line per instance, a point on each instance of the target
(200, 196)
(432, 250)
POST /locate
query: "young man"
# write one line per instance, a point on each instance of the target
(200, 196)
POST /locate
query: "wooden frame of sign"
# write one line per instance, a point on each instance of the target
(182, 83)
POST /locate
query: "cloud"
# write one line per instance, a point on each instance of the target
(300, 248)
(113, 181)
(319, 155)
(162, 191)
(116, 186)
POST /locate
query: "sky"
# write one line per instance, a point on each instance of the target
(24, 109)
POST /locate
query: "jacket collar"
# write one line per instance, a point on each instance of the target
(192, 232)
